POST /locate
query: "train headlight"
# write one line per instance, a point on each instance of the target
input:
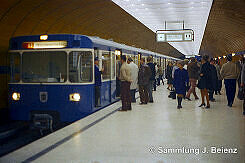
(16, 96)
(75, 97)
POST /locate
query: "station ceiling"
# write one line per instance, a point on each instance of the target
(225, 30)
(101, 18)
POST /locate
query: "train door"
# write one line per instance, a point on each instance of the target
(118, 54)
(113, 76)
(106, 78)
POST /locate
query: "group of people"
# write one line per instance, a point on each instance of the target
(207, 76)
(183, 77)
(132, 77)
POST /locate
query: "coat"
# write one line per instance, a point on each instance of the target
(193, 70)
(214, 78)
(97, 74)
(153, 70)
(180, 81)
(125, 72)
(144, 75)
(204, 81)
(243, 74)
(134, 75)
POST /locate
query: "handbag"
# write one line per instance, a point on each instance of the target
(240, 94)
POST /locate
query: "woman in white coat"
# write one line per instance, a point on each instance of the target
(134, 77)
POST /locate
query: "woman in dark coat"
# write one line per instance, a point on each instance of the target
(169, 76)
(180, 82)
(205, 82)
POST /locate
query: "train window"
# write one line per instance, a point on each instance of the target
(14, 67)
(44, 67)
(113, 66)
(106, 64)
(81, 67)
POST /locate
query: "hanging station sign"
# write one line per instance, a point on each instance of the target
(185, 35)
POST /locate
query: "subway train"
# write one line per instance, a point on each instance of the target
(54, 74)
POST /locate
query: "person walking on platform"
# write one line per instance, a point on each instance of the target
(204, 83)
(230, 73)
(243, 85)
(156, 76)
(125, 77)
(97, 86)
(169, 76)
(160, 77)
(214, 80)
(180, 82)
(219, 82)
(144, 76)
(152, 79)
(134, 76)
(193, 72)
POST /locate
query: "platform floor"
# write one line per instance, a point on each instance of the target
(153, 133)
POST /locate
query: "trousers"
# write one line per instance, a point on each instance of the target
(125, 95)
(230, 87)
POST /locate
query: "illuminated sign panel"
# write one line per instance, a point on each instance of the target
(44, 45)
(185, 35)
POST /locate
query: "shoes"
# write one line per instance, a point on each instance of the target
(150, 101)
(216, 93)
(122, 110)
(188, 98)
(230, 105)
(142, 103)
(179, 106)
(168, 88)
(219, 93)
(202, 105)
(213, 100)
(207, 107)
(196, 98)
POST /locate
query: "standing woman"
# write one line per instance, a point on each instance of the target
(204, 83)
(169, 75)
(180, 82)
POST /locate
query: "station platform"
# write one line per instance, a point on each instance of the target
(154, 133)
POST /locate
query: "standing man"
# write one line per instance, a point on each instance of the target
(144, 76)
(97, 74)
(134, 76)
(230, 73)
(125, 77)
(152, 79)
(219, 84)
(193, 72)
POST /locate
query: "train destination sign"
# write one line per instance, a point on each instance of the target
(44, 45)
(185, 35)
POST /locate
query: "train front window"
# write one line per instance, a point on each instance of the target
(44, 67)
(81, 67)
(14, 67)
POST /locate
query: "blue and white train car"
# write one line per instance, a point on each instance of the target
(54, 74)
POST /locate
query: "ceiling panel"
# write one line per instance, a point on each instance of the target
(154, 13)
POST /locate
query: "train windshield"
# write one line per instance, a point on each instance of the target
(44, 67)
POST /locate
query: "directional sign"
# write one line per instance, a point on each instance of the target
(185, 35)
